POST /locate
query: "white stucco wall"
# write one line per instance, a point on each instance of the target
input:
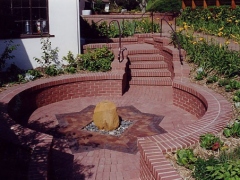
(63, 24)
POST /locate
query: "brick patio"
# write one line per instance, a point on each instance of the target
(189, 110)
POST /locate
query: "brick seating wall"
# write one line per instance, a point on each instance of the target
(28, 97)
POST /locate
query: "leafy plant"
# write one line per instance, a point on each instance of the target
(200, 75)
(236, 96)
(218, 21)
(226, 166)
(212, 79)
(227, 170)
(49, 55)
(223, 82)
(233, 130)
(210, 141)
(185, 157)
(200, 172)
(96, 60)
(53, 70)
(72, 63)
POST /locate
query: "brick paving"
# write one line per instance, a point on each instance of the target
(108, 164)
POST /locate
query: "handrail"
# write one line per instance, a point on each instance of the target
(174, 37)
(120, 49)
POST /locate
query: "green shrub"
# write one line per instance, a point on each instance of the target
(162, 6)
(96, 60)
(53, 70)
(72, 63)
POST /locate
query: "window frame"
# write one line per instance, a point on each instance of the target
(18, 29)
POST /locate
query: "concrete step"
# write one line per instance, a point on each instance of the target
(146, 57)
(148, 65)
(151, 81)
(150, 73)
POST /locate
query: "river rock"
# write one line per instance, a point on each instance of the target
(105, 116)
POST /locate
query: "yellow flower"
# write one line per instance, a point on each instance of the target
(221, 28)
(220, 33)
(209, 17)
(227, 42)
(201, 38)
(194, 42)
(180, 29)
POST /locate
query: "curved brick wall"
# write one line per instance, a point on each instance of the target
(25, 98)
(214, 112)
(189, 99)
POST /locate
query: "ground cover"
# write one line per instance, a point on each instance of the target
(215, 66)
(219, 21)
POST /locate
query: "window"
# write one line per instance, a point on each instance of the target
(23, 18)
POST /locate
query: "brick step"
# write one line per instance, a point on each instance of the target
(146, 57)
(100, 45)
(143, 51)
(149, 41)
(148, 65)
(150, 73)
(112, 40)
(151, 81)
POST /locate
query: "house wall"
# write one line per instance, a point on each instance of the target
(63, 24)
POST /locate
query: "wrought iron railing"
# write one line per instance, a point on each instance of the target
(174, 34)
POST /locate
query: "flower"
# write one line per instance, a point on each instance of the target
(227, 42)
(220, 34)
(221, 29)
(201, 38)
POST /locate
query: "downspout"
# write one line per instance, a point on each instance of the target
(78, 27)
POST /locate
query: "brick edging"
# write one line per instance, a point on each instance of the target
(153, 148)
